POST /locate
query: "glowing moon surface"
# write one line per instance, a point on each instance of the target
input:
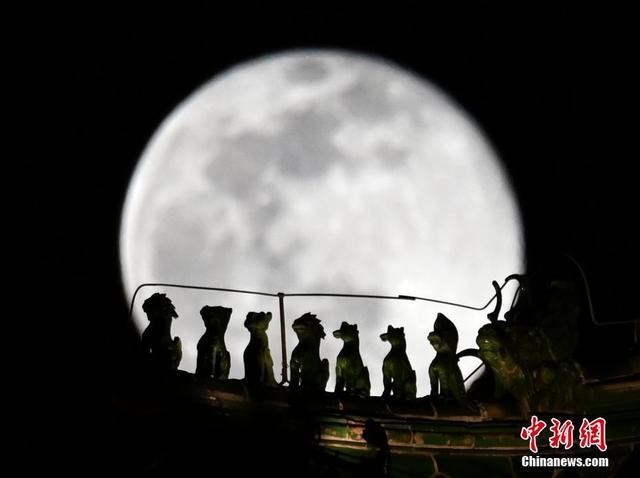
(321, 171)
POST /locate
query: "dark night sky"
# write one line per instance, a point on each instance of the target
(550, 86)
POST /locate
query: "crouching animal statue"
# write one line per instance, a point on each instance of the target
(444, 372)
(213, 358)
(352, 377)
(258, 364)
(308, 372)
(398, 377)
(161, 351)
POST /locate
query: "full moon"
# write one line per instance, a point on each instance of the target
(321, 171)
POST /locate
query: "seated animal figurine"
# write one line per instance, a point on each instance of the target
(444, 373)
(161, 351)
(308, 372)
(398, 377)
(352, 376)
(258, 364)
(213, 358)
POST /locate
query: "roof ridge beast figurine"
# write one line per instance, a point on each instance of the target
(533, 361)
(352, 377)
(213, 357)
(398, 376)
(161, 351)
(444, 373)
(308, 372)
(258, 364)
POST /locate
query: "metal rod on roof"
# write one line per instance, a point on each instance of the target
(283, 338)
(196, 287)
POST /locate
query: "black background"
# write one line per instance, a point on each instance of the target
(551, 86)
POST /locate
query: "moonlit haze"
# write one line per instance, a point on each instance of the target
(321, 171)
